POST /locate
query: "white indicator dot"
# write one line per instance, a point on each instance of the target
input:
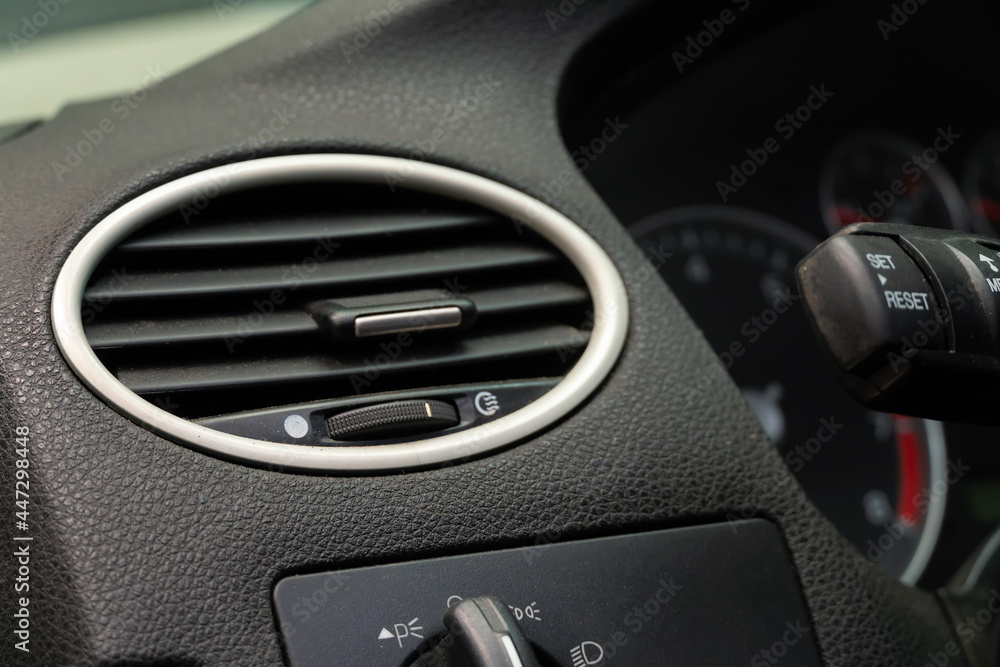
(296, 426)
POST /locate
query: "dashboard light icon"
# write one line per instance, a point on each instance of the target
(587, 653)
(487, 404)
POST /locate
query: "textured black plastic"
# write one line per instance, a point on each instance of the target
(149, 551)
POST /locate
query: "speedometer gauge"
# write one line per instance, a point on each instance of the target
(873, 475)
(878, 177)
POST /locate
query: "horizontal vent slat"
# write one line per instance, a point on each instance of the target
(242, 233)
(137, 333)
(118, 334)
(528, 297)
(332, 273)
(265, 372)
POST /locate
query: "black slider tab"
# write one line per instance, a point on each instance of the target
(356, 317)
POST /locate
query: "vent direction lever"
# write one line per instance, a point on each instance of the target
(399, 312)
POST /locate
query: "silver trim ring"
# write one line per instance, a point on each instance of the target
(605, 283)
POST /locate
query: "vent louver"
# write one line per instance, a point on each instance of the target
(239, 308)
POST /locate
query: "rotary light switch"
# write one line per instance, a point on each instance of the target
(481, 633)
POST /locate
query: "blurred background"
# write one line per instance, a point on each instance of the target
(55, 52)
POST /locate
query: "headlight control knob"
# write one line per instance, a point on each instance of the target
(481, 633)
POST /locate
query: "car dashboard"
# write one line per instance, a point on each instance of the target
(399, 319)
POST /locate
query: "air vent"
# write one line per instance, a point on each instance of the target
(246, 309)
(227, 310)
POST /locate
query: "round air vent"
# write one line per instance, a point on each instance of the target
(340, 312)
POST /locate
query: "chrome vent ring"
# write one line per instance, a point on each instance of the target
(602, 280)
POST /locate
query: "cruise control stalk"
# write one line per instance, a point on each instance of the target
(910, 317)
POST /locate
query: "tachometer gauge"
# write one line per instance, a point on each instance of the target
(876, 476)
(981, 184)
(877, 177)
